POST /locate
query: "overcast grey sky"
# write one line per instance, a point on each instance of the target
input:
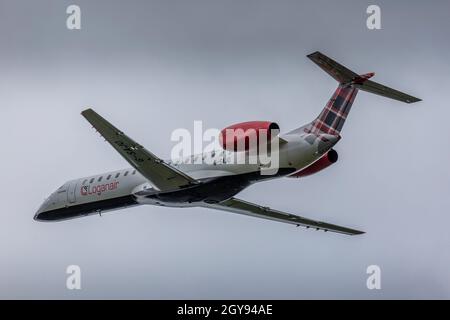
(153, 66)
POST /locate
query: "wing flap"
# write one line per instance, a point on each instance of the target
(161, 175)
(247, 208)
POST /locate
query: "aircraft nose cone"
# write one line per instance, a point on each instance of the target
(38, 216)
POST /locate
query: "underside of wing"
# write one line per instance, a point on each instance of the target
(243, 207)
(160, 174)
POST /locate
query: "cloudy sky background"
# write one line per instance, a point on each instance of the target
(153, 66)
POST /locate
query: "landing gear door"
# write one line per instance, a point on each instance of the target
(71, 192)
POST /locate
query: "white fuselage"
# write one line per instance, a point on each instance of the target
(127, 187)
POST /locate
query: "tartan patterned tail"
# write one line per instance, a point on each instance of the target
(332, 118)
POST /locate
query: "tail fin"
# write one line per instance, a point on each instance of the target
(332, 118)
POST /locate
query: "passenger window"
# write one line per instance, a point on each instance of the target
(134, 172)
(100, 178)
(92, 180)
(117, 175)
(109, 177)
(126, 173)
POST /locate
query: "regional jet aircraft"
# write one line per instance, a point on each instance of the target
(151, 180)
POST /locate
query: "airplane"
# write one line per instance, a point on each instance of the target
(151, 180)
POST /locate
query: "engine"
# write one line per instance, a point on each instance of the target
(246, 135)
(327, 160)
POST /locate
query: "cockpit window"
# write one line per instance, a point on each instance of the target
(85, 181)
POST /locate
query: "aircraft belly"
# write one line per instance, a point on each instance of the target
(210, 190)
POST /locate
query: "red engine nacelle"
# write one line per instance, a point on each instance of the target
(327, 160)
(239, 136)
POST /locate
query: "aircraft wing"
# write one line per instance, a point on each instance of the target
(161, 175)
(243, 207)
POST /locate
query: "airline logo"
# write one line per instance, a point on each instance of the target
(99, 189)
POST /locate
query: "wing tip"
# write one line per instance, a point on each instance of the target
(317, 56)
(315, 53)
(87, 111)
(349, 232)
(341, 230)
(413, 100)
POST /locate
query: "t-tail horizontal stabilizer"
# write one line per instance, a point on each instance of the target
(349, 78)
